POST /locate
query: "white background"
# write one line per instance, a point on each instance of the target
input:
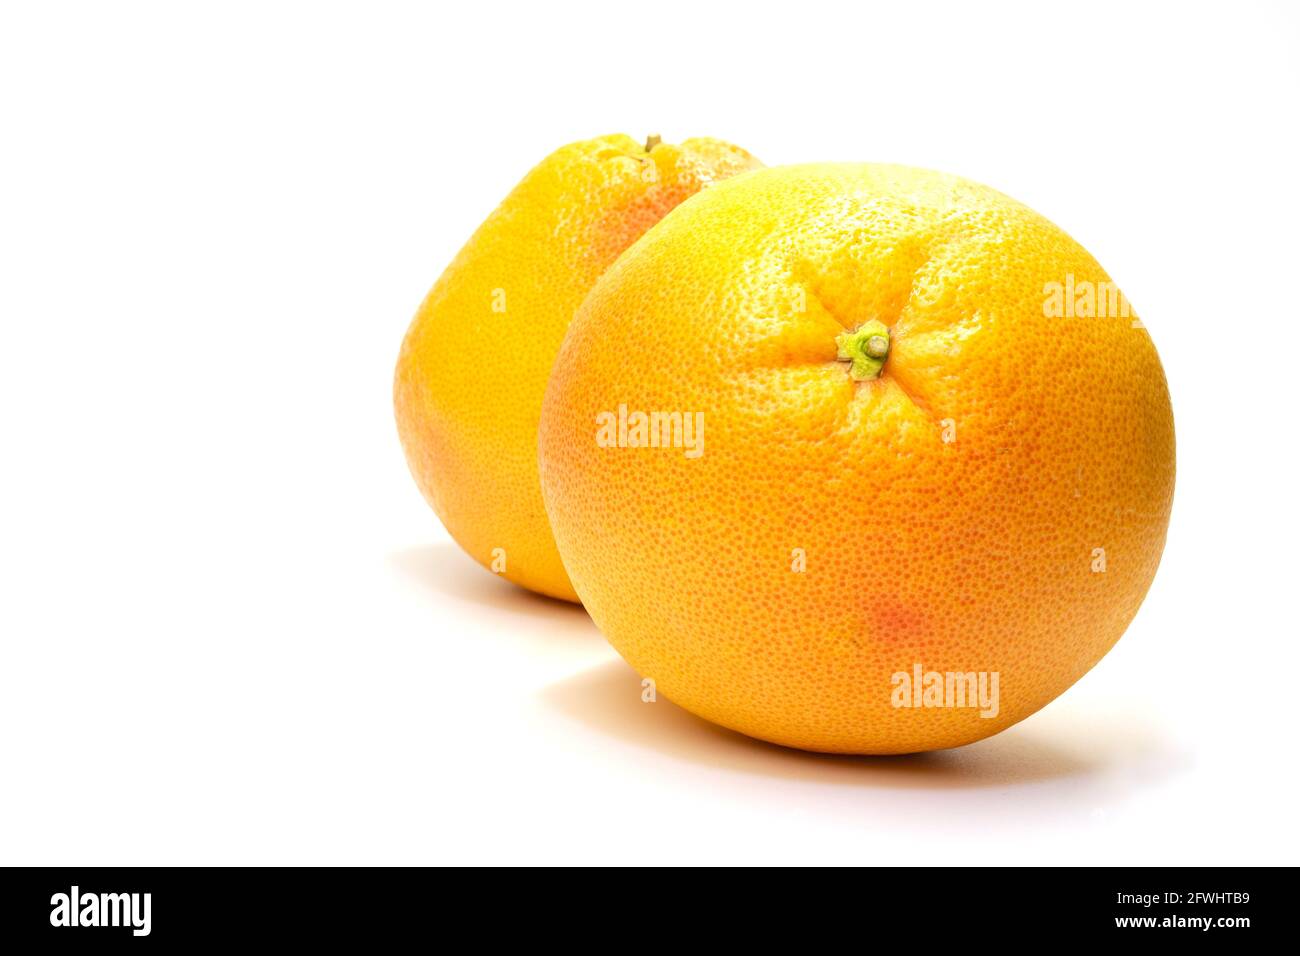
(232, 632)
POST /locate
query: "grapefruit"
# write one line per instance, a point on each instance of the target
(831, 444)
(474, 363)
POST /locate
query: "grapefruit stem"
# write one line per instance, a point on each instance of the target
(865, 349)
(652, 141)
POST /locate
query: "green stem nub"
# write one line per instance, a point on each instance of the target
(865, 349)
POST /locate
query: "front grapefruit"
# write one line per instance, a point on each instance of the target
(917, 458)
